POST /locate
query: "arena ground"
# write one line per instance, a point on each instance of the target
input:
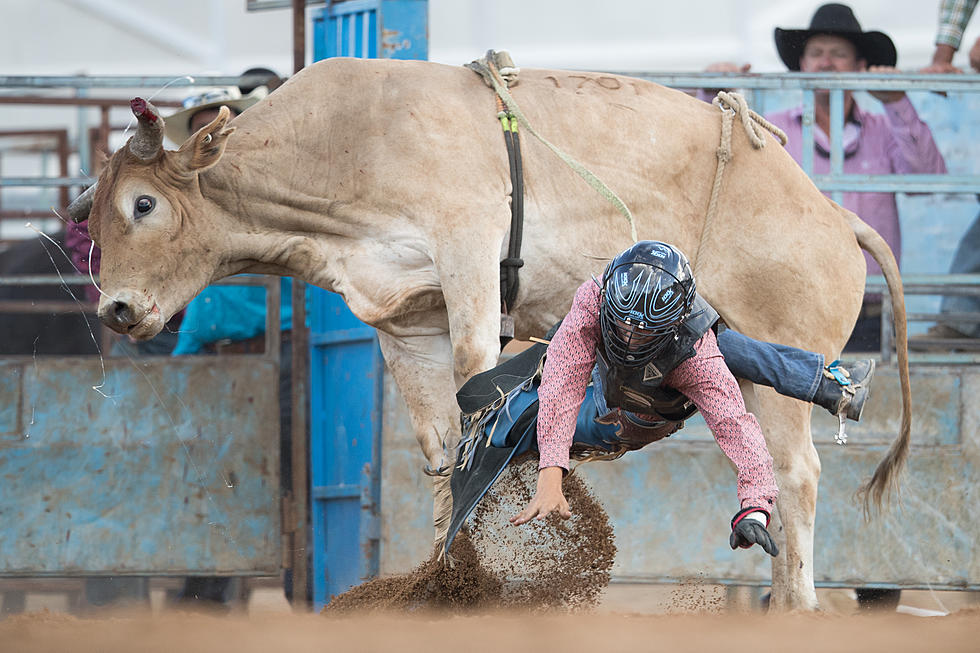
(629, 617)
(621, 631)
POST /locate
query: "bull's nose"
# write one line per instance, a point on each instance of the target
(122, 311)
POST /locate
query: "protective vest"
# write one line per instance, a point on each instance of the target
(641, 389)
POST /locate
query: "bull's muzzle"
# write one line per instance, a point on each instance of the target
(132, 314)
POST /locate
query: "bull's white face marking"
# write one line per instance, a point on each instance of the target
(141, 204)
(134, 276)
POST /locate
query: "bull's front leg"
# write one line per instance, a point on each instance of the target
(422, 366)
(787, 426)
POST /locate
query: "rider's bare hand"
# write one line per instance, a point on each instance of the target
(548, 497)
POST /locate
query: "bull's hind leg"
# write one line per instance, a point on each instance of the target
(423, 368)
(469, 272)
(786, 423)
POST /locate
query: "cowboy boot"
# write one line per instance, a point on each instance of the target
(845, 389)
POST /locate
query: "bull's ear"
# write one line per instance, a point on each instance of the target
(203, 149)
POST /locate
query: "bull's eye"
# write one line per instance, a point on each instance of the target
(144, 204)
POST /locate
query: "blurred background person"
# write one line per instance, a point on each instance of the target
(896, 142)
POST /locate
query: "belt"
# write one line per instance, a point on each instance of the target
(254, 345)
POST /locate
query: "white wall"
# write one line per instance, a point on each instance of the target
(218, 36)
(655, 35)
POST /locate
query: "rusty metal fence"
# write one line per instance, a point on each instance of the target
(239, 534)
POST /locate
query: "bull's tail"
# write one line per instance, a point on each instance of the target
(885, 477)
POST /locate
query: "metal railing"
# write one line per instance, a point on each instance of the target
(835, 183)
(81, 84)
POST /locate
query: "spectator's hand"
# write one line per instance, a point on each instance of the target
(547, 497)
(940, 68)
(975, 56)
(748, 530)
(885, 97)
(724, 67)
(728, 67)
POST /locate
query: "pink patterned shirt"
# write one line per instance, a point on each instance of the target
(704, 379)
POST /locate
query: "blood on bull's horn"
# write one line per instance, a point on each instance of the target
(148, 141)
(80, 207)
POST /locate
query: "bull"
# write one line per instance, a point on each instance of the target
(387, 182)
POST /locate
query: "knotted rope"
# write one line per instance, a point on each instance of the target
(752, 122)
(755, 127)
(487, 68)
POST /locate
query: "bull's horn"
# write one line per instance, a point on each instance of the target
(79, 209)
(148, 141)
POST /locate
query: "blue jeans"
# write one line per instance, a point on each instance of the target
(965, 261)
(790, 371)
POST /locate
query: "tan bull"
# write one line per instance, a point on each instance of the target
(388, 182)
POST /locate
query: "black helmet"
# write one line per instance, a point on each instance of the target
(647, 293)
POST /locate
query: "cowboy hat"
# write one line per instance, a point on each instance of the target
(876, 48)
(177, 125)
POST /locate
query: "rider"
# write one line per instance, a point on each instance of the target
(647, 341)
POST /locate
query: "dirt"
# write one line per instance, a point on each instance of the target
(44, 633)
(695, 596)
(546, 565)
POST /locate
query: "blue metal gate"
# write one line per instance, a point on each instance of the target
(356, 28)
(346, 374)
(346, 368)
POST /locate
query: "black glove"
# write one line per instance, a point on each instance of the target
(746, 532)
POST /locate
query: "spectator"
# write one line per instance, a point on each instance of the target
(953, 18)
(202, 108)
(896, 142)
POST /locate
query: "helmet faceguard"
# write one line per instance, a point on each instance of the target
(647, 293)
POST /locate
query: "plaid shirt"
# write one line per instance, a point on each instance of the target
(953, 17)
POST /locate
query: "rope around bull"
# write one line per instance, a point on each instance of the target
(500, 87)
(755, 127)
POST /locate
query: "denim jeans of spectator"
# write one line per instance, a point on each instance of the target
(966, 260)
(792, 372)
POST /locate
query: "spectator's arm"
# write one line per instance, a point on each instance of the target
(975, 56)
(79, 245)
(953, 18)
(912, 149)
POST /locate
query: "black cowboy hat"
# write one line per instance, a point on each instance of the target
(876, 48)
